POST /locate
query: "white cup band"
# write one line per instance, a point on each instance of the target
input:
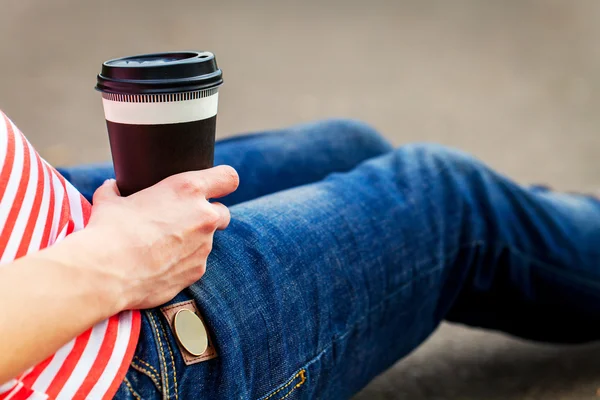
(159, 113)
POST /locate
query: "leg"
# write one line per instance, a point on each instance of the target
(312, 292)
(273, 161)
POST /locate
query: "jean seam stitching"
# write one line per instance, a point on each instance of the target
(149, 374)
(130, 388)
(172, 360)
(156, 373)
(162, 356)
(296, 386)
(300, 373)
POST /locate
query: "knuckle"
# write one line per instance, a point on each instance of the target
(199, 271)
(188, 185)
(211, 218)
(195, 274)
(203, 252)
(226, 213)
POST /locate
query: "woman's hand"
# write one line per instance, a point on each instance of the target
(136, 252)
(156, 242)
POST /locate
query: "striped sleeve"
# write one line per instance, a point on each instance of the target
(38, 208)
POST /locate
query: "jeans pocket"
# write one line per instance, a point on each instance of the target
(145, 368)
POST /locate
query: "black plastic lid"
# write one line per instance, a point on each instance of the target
(175, 72)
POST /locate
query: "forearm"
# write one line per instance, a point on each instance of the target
(50, 297)
(136, 252)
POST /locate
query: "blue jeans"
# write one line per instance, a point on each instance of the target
(343, 255)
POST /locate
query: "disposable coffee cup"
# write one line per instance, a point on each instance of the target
(161, 114)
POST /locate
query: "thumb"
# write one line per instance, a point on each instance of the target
(108, 190)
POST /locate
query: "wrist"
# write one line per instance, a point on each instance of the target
(82, 260)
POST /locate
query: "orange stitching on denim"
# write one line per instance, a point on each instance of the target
(147, 373)
(147, 365)
(133, 393)
(162, 353)
(302, 380)
(162, 328)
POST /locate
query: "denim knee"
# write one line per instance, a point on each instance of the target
(448, 183)
(356, 134)
(436, 155)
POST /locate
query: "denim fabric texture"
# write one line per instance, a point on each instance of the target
(343, 255)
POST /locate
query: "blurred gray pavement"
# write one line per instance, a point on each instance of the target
(516, 82)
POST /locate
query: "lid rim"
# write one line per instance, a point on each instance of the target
(165, 72)
(155, 89)
(206, 77)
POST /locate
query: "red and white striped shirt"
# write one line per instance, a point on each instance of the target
(37, 209)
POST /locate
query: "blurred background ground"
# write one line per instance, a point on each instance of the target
(516, 82)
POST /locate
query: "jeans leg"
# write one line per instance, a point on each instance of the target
(271, 161)
(313, 291)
